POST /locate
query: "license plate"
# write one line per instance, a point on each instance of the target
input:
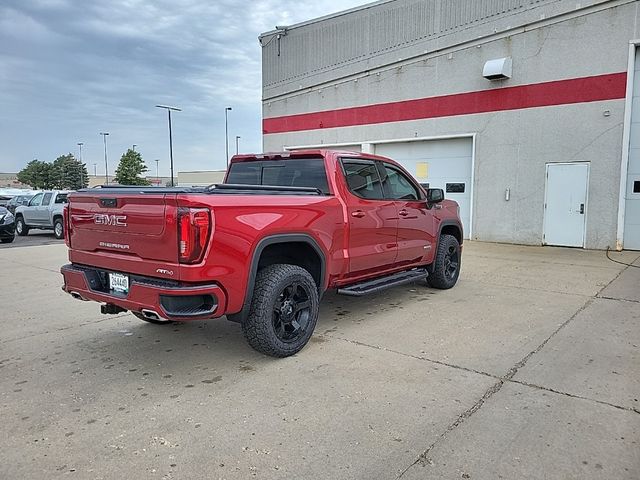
(119, 282)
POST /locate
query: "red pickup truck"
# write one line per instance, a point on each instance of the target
(264, 246)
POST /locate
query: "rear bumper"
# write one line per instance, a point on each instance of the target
(169, 300)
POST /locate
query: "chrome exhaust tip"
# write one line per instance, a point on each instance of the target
(150, 314)
(77, 296)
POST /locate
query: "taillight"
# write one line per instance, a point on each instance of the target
(194, 228)
(66, 224)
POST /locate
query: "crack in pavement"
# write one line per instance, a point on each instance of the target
(480, 372)
(618, 299)
(424, 459)
(572, 395)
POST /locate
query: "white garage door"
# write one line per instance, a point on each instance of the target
(632, 198)
(442, 164)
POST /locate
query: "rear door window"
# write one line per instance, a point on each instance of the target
(47, 199)
(304, 172)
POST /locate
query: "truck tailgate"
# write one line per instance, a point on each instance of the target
(129, 226)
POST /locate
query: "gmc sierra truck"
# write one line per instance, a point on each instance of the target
(262, 247)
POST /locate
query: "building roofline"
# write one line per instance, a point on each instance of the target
(326, 17)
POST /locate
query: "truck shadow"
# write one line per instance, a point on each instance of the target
(129, 354)
(339, 310)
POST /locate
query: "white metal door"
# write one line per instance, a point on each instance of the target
(566, 204)
(442, 163)
(631, 239)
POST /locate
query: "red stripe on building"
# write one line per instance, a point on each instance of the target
(560, 92)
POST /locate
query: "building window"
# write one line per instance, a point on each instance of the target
(455, 187)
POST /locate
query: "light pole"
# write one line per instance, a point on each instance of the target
(106, 164)
(226, 133)
(157, 174)
(95, 169)
(168, 109)
(134, 147)
(81, 168)
(237, 144)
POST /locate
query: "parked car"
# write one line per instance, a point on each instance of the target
(18, 200)
(44, 211)
(263, 247)
(7, 226)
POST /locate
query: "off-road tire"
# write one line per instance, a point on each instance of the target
(23, 230)
(272, 284)
(443, 276)
(8, 240)
(148, 320)
(55, 228)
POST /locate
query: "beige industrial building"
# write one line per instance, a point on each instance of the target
(10, 180)
(527, 112)
(200, 178)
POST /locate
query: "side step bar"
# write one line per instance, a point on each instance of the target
(382, 283)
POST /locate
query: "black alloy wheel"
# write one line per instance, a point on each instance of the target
(283, 312)
(451, 262)
(446, 266)
(291, 312)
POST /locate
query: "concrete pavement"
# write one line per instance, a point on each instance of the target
(526, 369)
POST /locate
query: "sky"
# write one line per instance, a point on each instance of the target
(70, 69)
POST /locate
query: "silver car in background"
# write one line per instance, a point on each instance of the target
(44, 211)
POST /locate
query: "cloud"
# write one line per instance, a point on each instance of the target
(69, 70)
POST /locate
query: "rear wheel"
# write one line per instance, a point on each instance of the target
(58, 228)
(21, 227)
(8, 240)
(446, 268)
(284, 310)
(161, 321)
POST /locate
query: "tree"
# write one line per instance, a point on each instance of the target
(69, 173)
(37, 174)
(130, 168)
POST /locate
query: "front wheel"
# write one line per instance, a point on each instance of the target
(21, 227)
(446, 268)
(58, 228)
(284, 310)
(8, 240)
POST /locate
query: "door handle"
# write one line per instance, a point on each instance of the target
(582, 209)
(358, 214)
(403, 213)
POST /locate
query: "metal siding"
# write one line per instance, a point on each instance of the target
(365, 34)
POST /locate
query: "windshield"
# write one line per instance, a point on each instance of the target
(307, 172)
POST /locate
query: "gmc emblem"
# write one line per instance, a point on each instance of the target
(103, 219)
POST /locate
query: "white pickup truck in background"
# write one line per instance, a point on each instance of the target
(44, 212)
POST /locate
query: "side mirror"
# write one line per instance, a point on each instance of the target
(435, 195)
